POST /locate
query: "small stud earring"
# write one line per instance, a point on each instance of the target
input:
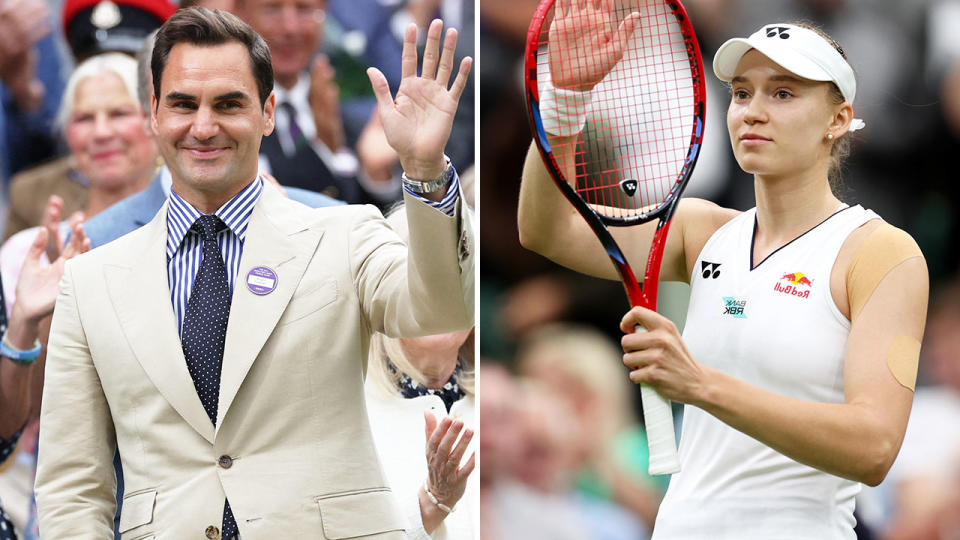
(830, 136)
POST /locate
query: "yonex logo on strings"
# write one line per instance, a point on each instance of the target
(774, 31)
(629, 186)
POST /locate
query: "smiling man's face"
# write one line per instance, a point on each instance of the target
(209, 122)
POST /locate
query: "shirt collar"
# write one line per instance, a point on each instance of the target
(298, 95)
(235, 213)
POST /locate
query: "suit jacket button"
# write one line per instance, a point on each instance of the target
(226, 461)
(212, 533)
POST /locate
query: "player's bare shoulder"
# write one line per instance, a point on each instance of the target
(698, 220)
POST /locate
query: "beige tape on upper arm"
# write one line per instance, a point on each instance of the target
(903, 358)
(883, 250)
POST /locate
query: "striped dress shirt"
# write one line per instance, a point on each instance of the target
(185, 248)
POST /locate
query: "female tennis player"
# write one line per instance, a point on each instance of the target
(799, 356)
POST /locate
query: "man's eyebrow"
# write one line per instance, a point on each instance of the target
(178, 96)
(238, 95)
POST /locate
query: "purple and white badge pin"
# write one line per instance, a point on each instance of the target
(261, 280)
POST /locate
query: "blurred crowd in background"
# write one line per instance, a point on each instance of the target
(561, 445)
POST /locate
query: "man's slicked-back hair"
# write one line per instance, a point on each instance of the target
(205, 27)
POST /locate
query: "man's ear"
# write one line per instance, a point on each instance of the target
(268, 109)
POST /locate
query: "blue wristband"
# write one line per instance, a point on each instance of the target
(16, 355)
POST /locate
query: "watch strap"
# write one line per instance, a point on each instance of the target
(429, 186)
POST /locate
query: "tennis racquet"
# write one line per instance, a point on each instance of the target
(616, 100)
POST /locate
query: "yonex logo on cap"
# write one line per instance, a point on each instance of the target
(774, 31)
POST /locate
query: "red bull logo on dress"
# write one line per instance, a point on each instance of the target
(794, 284)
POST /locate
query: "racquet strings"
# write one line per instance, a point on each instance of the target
(636, 124)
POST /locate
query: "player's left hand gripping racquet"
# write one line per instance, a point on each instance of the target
(616, 100)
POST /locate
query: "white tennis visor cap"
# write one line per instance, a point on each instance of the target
(799, 50)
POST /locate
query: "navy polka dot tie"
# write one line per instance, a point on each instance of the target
(205, 329)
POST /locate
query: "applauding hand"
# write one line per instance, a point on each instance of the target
(39, 283)
(446, 479)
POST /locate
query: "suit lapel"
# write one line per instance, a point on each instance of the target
(283, 244)
(141, 297)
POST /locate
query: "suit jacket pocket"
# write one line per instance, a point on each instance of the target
(137, 510)
(307, 302)
(349, 515)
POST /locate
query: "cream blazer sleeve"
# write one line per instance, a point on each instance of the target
(428, 292)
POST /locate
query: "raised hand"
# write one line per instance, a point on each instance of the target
(585, 43)
(417, 121)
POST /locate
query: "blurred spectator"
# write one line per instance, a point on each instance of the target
(328, 137)
(106, 131)
(370, 32)
(30, 87)
(91, 27)
(97, 26)
(225, 5)
(515, 509)
(935, 202)
(585, 368)
(37, 292)
(406, 380)
(498, 439)
(308, 148)
(538, 500)
(427, 379)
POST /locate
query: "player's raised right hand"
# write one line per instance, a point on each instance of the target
(580, 28)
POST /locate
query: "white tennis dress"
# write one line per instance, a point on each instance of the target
(774, 326)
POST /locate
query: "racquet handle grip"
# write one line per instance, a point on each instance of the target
(661, 439)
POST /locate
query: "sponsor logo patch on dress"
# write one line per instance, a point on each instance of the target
(734, 308)
(794, 284)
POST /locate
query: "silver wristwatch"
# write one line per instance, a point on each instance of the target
(429, 186)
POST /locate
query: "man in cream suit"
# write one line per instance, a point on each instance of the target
(267, 436)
